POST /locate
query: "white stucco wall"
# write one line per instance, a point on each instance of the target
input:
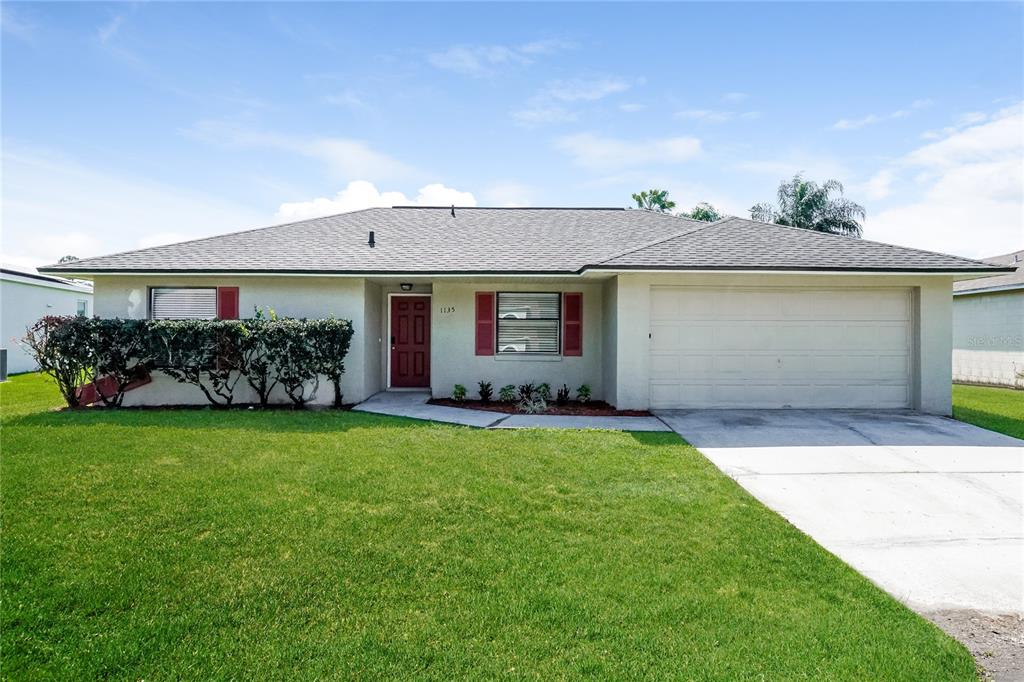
(22, 304)
(931, 383)
(988, 338)
(453, 359)
(118, 296)
(609, 335)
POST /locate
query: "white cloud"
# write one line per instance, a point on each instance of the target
(345, 157)
(110, 29)
(786, 165)
(878, 186)
(54, 206)
(360, 194)
(13, 24)
(346, 98)
(716, 116)
(870, 119)
(547, 106)
(607, 153)
(587, 90)
(540, 115)
(632, 107)
(735, 96)
(969, 191)
(477, 60)
(486, 60)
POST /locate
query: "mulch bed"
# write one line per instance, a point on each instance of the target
(595, 408)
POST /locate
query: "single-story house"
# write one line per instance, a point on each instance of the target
(988, 326)
(648, 309)
(25, 297)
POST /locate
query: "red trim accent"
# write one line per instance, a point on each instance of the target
(572, 323)
(485, 323)
(410, 341)
(227, 303)
(90, 393)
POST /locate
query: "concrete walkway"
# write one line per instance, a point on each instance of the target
(413, 404)
(930, 509)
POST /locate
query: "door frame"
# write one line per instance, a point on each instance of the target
(387, 339)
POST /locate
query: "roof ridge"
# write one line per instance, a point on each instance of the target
(515, 208)
(702, 225)
(203, 239)
(861, 240)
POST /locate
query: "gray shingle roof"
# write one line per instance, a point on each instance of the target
(1012, 280)
(484, 240)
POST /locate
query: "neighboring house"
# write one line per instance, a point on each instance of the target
(988, 326)
(650, 310)
(25, 297)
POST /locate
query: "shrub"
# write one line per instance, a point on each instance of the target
(507, 394)
(533, 405)
(202, 353)
(562, 397)
(62, 347)
(298, 361)
(526, 392)
(330, 338)
(583, 393)
(459, 393)
(544, 391)
(213, 355)
(122, 354)
(258, 357)
(486, 391)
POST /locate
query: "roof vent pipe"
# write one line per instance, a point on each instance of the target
(371, 241)
(453, 210)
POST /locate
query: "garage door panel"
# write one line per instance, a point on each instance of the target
(780, 347)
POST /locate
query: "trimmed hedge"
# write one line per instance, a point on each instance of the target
(213, 355)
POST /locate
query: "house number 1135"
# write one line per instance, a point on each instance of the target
(446, 309)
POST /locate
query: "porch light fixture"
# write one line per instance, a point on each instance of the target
(405, 286)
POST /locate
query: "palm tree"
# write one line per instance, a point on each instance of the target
(703, 211)
(804, 203)
(654, 200)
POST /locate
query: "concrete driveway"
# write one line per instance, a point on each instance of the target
(930, 509)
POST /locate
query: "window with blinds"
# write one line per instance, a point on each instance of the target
(167, 303)
(529, 322)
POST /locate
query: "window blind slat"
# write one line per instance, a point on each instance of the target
(529, 322)
(528, 305)
(183, 304)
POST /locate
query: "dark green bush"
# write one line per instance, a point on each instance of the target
(213, 355)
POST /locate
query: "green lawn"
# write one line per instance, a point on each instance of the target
(212, 545)
(998, 409)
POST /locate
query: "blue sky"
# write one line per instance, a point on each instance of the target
(127, 125)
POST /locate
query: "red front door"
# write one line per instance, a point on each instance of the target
(410, 341)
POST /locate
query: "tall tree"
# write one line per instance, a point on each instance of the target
(806, 204)
(703, 211)
(654, 200)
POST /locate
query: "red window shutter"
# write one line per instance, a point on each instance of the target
(485, 323)
(227, 303)
(572, 324)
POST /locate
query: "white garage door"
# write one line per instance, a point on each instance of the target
(780, 347)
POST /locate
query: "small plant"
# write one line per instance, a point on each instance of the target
(533, 405)
(459, 393)
(583, 393)
(544, 391)
(526, 392)
(485, 391)
(507, 394)
(563, 395)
